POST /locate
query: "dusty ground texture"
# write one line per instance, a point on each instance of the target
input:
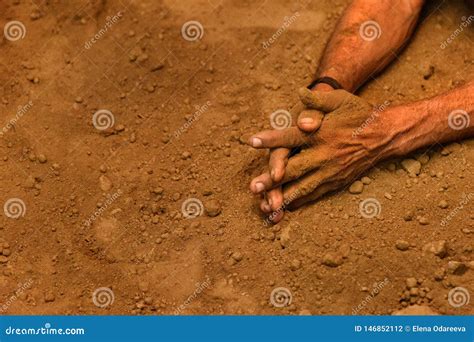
(94, 222)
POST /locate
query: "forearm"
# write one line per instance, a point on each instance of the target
(441, 119)
(353, 54)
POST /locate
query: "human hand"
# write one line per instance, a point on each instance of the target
(350, 140)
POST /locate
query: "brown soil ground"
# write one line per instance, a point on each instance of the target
(180, 110)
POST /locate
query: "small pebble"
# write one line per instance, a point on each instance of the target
(411, 282)
(423, 221)
(332, 260)
(234, 119)
(237, 256)
(295, 264)
(105, 183)
(356, 188)
(213, 208)
(412, 166)
(438, 248)
(456, 268)
(402, 245)
(443, 204)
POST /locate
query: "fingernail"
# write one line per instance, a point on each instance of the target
(270, 201)
(306, 121)
(259, 187)
(256, 142)
(267, 207)
(272, 173)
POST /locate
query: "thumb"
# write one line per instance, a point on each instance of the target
(310, 120)
(326, 101)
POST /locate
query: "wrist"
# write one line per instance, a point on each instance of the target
(409, 128)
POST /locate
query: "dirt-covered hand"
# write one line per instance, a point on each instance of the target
(308, 120)
(351, 139)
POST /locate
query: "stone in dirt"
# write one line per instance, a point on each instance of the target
(49, 297)
(356, 187)
(438, 248)
(332, 260)
(295, 264)
(237, 256)
(411, 282)
(213, 208)
(423, 221)
(105, 183)
(412, 166)
(285, 237)
(456, 267)
(402, 245)
(443, 204)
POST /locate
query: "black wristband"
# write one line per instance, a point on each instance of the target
(326, 79)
